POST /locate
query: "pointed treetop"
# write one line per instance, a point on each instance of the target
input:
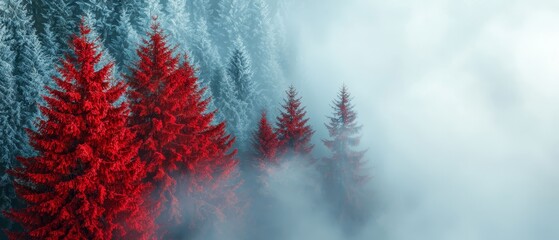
(151, 13)
(293, 130)
(240, 71)
(344, 172)
(265, 143)
(343, 123)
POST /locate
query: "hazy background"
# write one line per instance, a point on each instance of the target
(459, 102)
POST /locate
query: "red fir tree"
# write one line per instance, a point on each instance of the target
(265, 144)
(155, 105)
(179, 142)
(85, 181)
(344, 169)
(294, 134)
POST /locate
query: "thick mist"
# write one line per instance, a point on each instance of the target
(459, 102)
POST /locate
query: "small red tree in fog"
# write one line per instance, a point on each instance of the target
(265, 144)
(179, 143)
(344, 169)
(294, 133)
(84, 182)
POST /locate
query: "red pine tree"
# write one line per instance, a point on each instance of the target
(294, 134)
(265, 143)
(169, 118)
(85, 182)
(155, 102)
(344, 169)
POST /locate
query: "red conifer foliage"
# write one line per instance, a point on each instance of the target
(179, 143)
(294, 134)
(265, 144)
(85, 182)
(155, 102)
(344, 169)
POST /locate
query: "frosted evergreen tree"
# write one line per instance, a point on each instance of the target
(49, 41)
(239, 70)
(177, 23)
(103, 19)
(8, 126)
(230, 109)
(204, 56)
(198, 9)
(29, 68)
(7, 101)
(60, 16)
(262, 48)
(282, 48)
(227, 19)
(259, 33)
(51, 50)
(135, 8)
(106, 57)
(151, 9)
(118, 5)
(125, 43)
(203, 53)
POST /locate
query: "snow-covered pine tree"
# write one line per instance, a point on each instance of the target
(198, 9)
(136, 10)
(103, 17)
(177, 23)
(259, 31)
(260, 42)
(29, 68)
(50, 44)
(231, 109)
(8, 111)
(239, 70)
(224, 92)
(203, 52)
(283, 48)
(118, 6)
(343, 171)
(209, 10)
(205, 58)
(294, 133)
(34, 9)
(106, 57)
(85, 181)
(151, 9)
(125, 43)
(60, 16)
(227, 21)
(8, 127)
(51, 50)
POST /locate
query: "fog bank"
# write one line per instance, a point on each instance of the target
(459, 105)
